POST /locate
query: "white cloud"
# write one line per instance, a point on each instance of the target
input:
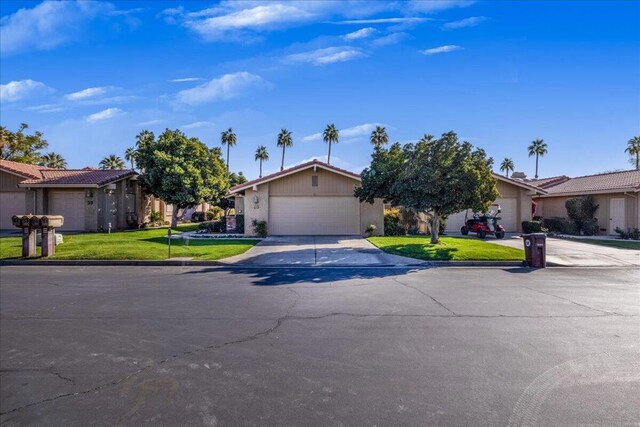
(46, 108)
(87, 93)
(436, 6)
(353, 132)
(327, 55)
(225, 87)
(463, 23)
(21, 89)
(390, 39)
(196, 125)
(362, 33)
(104, 115)
(441, 49)
(150, 122)
(186, 79)
(398, 20)
(49, 24)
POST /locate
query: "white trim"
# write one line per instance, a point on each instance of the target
(291, 172)
(584, 193)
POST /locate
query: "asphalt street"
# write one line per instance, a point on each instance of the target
(319, 346)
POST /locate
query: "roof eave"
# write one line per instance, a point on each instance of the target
(46, 185)
(592, 192)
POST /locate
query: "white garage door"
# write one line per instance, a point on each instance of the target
(509, 217)
(11, 203)
(69, 204)
(314, 215)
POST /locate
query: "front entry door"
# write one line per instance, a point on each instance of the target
(616, 215)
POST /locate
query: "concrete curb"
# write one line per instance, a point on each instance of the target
(195, 263)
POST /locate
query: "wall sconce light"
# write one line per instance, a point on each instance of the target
(256, 199)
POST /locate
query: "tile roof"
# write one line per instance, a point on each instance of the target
(624, 181)
(547, 182)
(23, 169)
(290, 171)
(520, 183)
(79, 177)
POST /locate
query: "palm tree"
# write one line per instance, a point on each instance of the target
(633, 148)
(262, 155)
(379, 137)
(53, 160)
(284, 140)
(537, 148)
(507, 166)
(228, 138)
(130, 155)
(112, 162)
(330, 135)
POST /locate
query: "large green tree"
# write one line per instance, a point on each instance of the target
(112, 162)
(537, 148)
(633, 149)
(438, 177)
(285, 140)
(181, 171)
(330, 135)
(20, 147)
(53, 160)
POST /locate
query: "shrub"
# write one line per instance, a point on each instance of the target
(155, 218)
(633, 234)
(581, 211)
(558, 225)
(240, 224)
(532, 227)
(212, 227)
(214, 213)
(260, 228)
(371, 228)
(392, 225)
(197, 217)
(442, 225)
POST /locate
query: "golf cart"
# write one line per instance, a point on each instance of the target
(484, 224)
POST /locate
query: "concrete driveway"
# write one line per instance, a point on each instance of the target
(317, 251)
(570, 253)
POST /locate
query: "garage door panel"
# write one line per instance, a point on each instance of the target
(11, 203)
(69, 204)
(314, 215)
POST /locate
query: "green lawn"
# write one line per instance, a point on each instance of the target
(622, 244)
(449, 248)
(139, 245)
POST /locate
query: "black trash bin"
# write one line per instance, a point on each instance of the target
(535, 249)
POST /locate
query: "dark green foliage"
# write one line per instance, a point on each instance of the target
(198, 217)
(392, 225)
(581, 211)
(179, 170)
(559, 225)
(437, 176)
(240, 224)
(260, 228)
(19, 147)
(442, 225)
(155, 218)
(531, 227)
(212, 227)
(633, 234)
(371, 228)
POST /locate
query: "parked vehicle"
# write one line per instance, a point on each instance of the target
(484, 224)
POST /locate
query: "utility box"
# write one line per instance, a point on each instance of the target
(535, 249)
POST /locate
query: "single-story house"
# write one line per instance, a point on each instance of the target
(89, 199)
(616, 193)
(308, 199)
(515, 202)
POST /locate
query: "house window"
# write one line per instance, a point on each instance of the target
(314, 180)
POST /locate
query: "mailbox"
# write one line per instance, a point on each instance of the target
(30, 224)
(16, 220)
(34, 221)
(25, 221)
(52, 221)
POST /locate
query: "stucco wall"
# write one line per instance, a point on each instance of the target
(299, 184)
(372, 214)
(555, 207)
(9, 182)
(258, 211)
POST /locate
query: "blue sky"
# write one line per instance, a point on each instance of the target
(92, 75)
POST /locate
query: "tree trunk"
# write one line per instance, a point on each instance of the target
(174, 216)
(282, 164)
(435, 228)
(228, 170)
(260, 168)
(329, 156)
(638, 161)
(536, 166)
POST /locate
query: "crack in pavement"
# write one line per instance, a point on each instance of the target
(395, 279)
(51, 370)
(277, 323)
(572, 302)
